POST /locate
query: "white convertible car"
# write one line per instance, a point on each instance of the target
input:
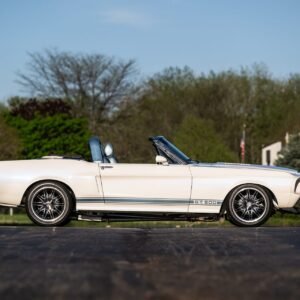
(55, 189)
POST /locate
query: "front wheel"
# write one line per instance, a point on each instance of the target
(49, 204)
(249, 205)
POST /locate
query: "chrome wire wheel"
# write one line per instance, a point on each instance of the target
(249, 206)
(48, 204)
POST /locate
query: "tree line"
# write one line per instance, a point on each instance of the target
(78, 95)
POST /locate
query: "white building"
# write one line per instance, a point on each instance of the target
(269, 154)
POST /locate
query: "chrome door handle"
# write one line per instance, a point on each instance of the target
(106, 167)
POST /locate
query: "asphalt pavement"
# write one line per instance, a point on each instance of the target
(106, 263)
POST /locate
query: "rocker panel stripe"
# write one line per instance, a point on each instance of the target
(162, 201)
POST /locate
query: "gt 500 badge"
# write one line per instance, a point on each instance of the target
(207, 202)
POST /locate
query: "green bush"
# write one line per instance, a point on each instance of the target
(58, 134)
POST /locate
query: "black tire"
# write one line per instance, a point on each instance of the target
(249, 205)
(49, 204)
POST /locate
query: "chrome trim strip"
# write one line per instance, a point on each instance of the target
(244, 166)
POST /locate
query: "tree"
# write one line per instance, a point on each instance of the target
(96, 84)
(58, 134)
(199, 140)
(290, 154)
(267, 106)
(229, 99)
(10, 145)
(29, 108)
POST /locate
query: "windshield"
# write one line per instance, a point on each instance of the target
(173, 150)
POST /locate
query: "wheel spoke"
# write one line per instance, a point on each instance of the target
(51, 213)
(254, 195)
(248, 194)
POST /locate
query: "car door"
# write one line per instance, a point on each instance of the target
(146, 187)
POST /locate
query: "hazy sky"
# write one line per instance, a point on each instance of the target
(205, 35)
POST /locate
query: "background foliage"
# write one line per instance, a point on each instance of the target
(202, 113)
(207, 145)
(58, 135)
(46, 126)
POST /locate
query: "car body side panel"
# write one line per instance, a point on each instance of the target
(145, 187)
(16, 176)
(214, 183)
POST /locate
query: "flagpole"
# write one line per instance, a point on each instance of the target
(243, 144)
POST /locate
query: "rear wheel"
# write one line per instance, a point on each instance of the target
(249, 205)
(49, 204)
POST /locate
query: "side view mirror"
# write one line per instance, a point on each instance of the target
(109, 153)
(160, 160)
(108, 150)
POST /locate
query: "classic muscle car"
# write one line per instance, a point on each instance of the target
(55, 189)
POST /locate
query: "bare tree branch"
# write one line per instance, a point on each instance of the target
(96, 84)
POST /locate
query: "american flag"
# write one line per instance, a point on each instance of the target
(242, 145)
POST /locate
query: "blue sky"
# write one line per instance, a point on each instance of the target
(205, 35)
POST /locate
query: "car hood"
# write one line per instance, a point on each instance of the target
(248, 166)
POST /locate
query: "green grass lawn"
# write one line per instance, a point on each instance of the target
(278, 219)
